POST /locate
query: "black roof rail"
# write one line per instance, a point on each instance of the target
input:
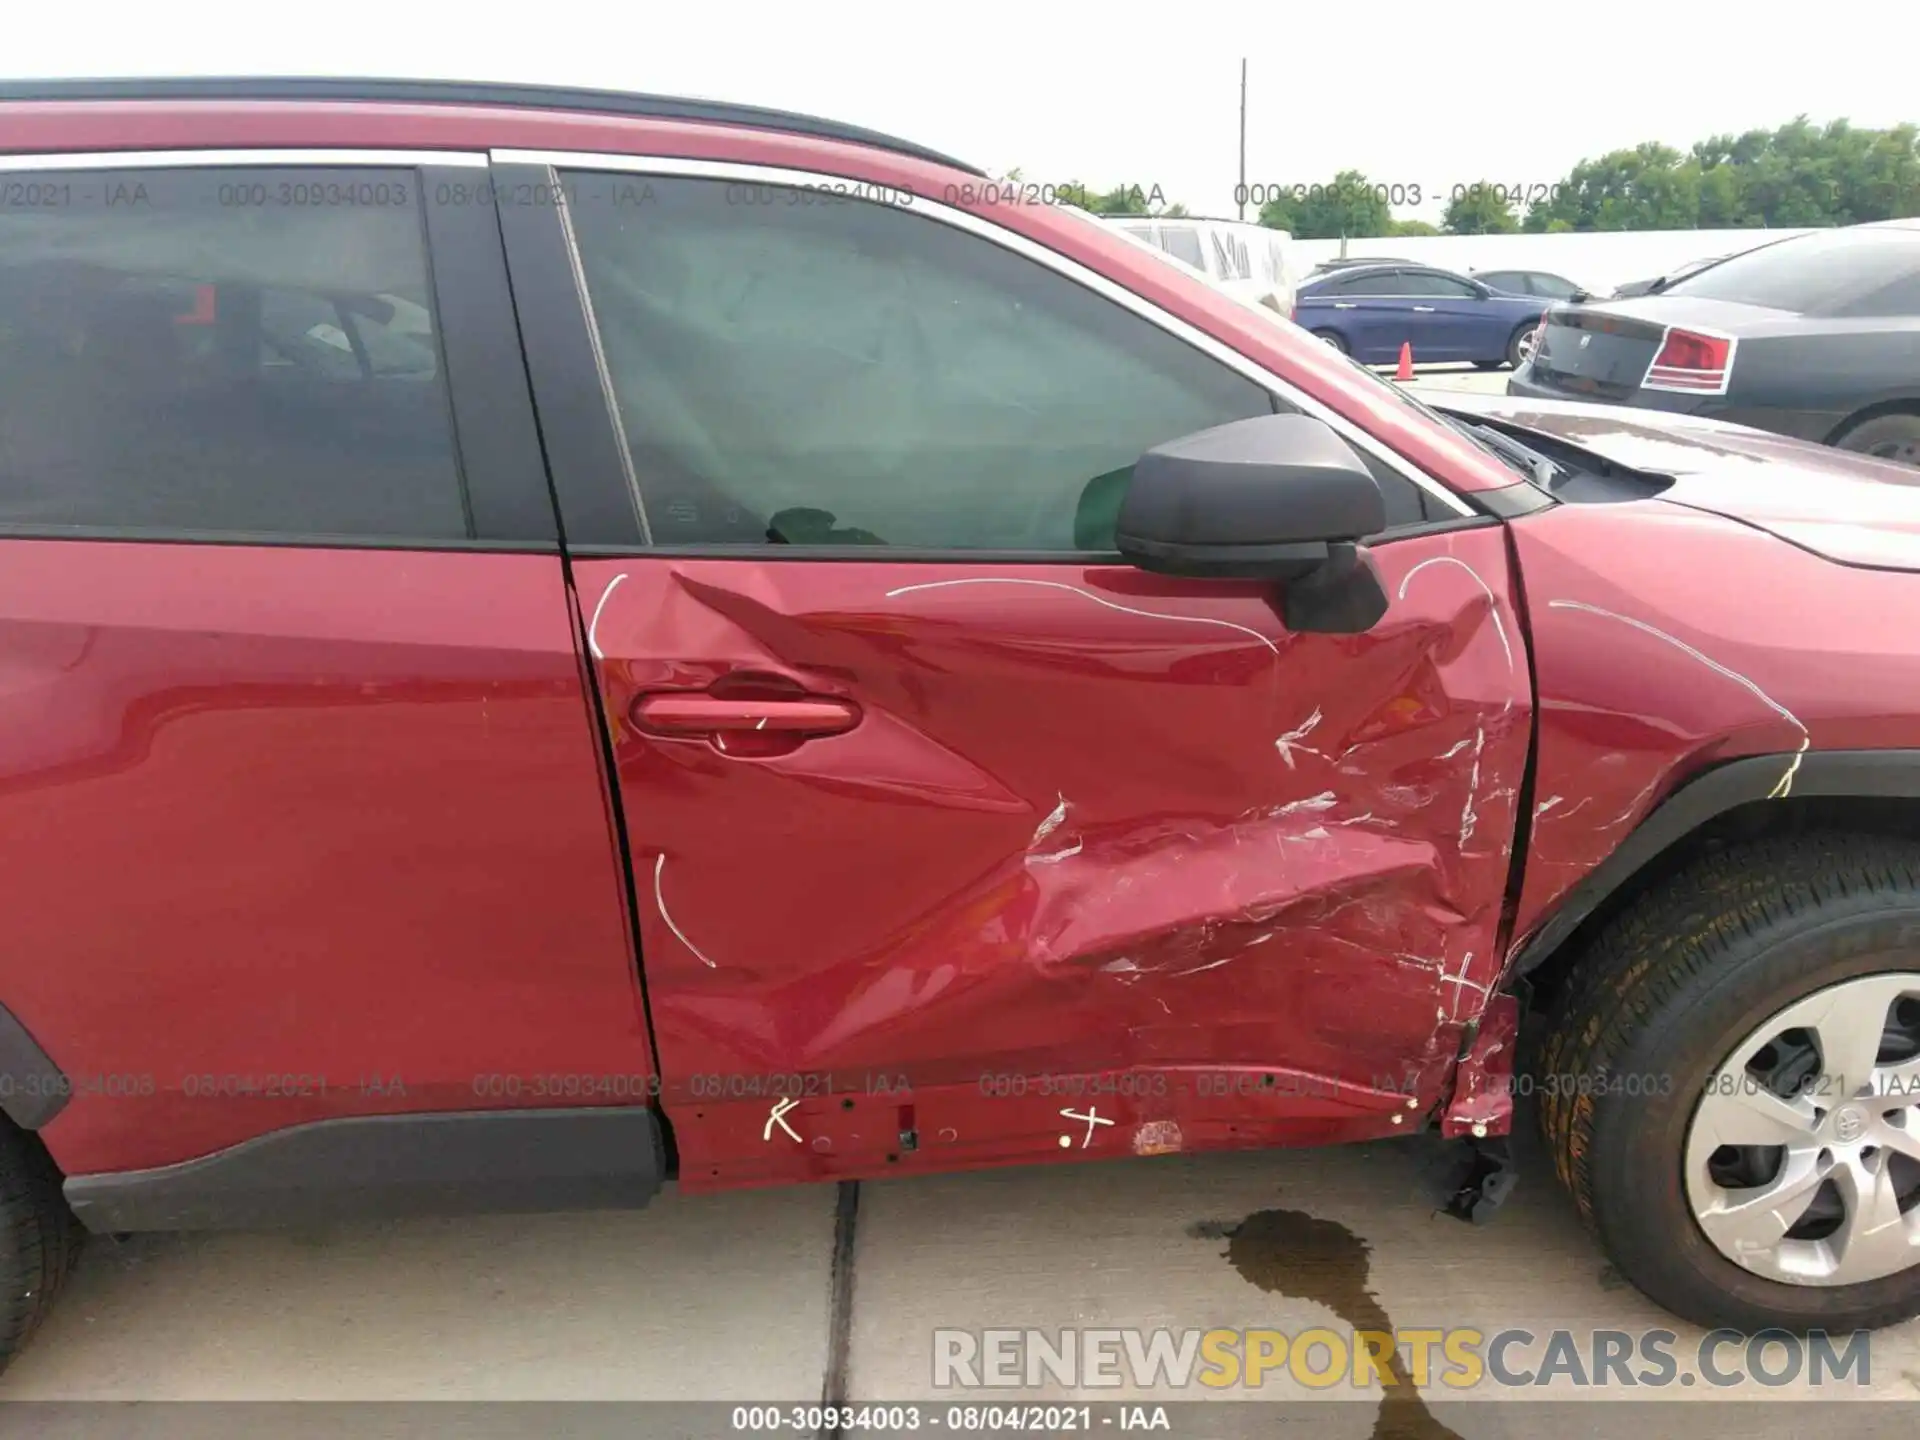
(465, 92)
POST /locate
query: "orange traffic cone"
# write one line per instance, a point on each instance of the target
(1405, 369)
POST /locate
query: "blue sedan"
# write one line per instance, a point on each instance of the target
(1370, 311)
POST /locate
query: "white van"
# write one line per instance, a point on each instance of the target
(1249, 262)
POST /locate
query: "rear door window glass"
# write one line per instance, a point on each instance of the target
(1383, 282)
(247, 351)
(1425, 282)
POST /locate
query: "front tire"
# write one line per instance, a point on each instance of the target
(1330, 337)
(1743, 1141)
(39, 1238)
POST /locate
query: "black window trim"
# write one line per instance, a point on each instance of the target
(586, 453)
(495, 441)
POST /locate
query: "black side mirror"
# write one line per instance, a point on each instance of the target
(1278, 497)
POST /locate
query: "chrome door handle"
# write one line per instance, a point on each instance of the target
(1423, 309)
(1345, 305)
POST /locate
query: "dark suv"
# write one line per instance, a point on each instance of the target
(552, 639)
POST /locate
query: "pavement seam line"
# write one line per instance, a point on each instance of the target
(833, 1387)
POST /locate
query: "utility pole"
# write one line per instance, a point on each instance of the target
(1240, 194)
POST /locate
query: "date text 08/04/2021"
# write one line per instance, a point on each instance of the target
(889, 1419)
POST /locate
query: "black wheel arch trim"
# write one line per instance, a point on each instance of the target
(32, 1088)
(1711, 793)
(387, 1166)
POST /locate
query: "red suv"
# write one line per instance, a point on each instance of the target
(553, 639)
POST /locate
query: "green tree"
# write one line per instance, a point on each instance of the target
(1412, 227)
(1649, 187)
(1798, 174)
(1348, 205)
(1480, 209)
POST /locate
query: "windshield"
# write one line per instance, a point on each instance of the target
(1810, 274)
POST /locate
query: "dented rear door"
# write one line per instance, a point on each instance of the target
(956, 841)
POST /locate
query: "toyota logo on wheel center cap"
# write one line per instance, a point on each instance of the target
(1849, 1124)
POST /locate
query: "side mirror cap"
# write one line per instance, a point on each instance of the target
(1276, 497)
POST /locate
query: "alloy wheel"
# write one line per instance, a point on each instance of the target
(1802, 1160)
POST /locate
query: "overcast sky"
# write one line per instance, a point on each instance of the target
(1148, 93)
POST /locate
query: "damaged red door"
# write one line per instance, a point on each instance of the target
(955, 842)
(1093, 842)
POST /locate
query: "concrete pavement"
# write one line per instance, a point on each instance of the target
(728, 1297)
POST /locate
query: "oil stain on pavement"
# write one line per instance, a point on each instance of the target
(1302, 1257)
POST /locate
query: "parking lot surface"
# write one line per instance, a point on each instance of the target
(1458, 377)
(731, 1297)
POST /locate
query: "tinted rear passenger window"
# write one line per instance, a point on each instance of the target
(1384, 283)
(222, 350)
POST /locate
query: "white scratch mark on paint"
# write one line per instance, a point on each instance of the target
(1092, 1117)
(1785, 785)
(1634, 804)
(778, 1116)
(1545, 805)
(1162, 1004)
(1212, 965)
(660, 864)
(1455, 750)
(1499, 624)
(593, 627)
(1290, 741)
(1469, 817)
(1057, 856)
(1119, 967)
(1087, 595)
(1460, 982)
(1054, 819)
(1325, 800)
